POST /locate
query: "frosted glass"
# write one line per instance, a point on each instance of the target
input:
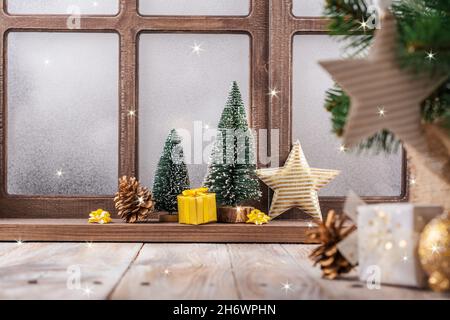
(178, 86)
(308, 8)
(194, 7)
(107, 7)
(62, 113)
(367, 174)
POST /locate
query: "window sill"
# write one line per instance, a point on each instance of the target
(285, 231)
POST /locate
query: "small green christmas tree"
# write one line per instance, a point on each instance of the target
(231, 173)
(171, 177)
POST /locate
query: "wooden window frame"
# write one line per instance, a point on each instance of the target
(271, 27)
(128, 24)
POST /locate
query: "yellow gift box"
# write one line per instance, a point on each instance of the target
(197, 206)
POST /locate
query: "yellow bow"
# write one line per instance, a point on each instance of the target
(100, 216)
(257, 217)
(195, 192)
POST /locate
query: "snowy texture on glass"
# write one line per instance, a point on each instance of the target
(184, 81)
(308, 8)
(96, 7)
(195, 7)
(62, 113)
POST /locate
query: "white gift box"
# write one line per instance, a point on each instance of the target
(388, 236)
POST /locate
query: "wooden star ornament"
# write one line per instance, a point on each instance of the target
(296, 184)
(383, 96)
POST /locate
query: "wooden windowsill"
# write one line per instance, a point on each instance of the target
(278, 231)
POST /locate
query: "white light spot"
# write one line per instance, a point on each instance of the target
(273, 93)
(388, 245)
(431, 55)
(87, 291)
(197, 48)
(286, 287)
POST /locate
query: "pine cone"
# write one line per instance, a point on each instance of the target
(133, 202)
(330, 233)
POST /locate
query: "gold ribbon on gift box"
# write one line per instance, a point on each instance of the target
(197, 206)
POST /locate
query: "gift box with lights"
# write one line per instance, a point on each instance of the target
(388, 236)
(197, 206)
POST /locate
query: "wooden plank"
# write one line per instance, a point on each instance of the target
(179, 271)
(42, 270)
(263, 271)
(350, 287)
(79, 230)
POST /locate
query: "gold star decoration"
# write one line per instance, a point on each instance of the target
(296, 184)
(383, 96)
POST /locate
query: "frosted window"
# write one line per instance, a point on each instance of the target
(368, 175)
(96, 7)
(194, 7)
(62, 113)
(179, 85)
(308, 8)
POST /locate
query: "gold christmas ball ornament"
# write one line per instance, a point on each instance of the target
(434, 253)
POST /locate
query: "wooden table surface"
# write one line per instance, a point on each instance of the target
(175, 271)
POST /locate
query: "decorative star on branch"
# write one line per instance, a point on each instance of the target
(383, 96)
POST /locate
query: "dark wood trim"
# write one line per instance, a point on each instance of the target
(80, 230)
(271, 27)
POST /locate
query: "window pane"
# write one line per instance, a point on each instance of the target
(194, 7)
(62, 113)
(308, 8)
(108, 7)
(368, 175)
(184, 89)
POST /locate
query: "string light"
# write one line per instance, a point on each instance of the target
(388, 245)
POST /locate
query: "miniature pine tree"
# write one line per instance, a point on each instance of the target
(231, 173)
(171, 177)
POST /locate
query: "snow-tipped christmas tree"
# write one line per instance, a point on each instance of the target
(171, 177)
(231, 173)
